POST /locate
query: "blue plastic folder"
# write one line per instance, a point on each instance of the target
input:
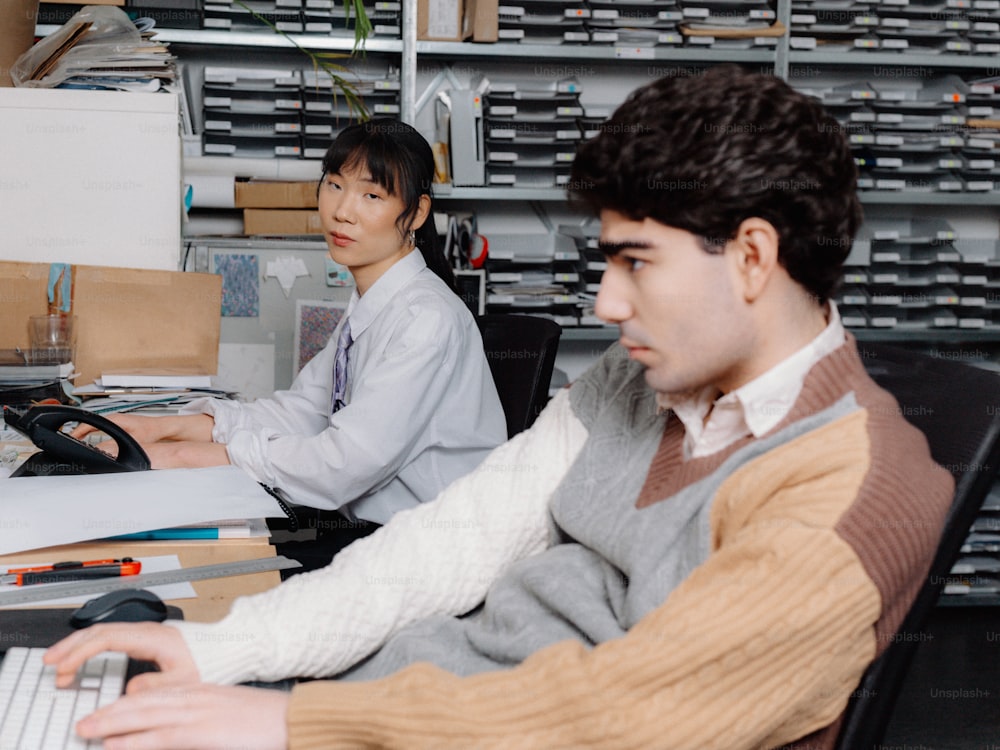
(157, 534)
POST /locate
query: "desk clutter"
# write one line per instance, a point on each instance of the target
(47, 511)
(97, 47)
(178, 330)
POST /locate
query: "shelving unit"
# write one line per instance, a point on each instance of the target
(426, 67)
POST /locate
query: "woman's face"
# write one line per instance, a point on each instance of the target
(359, 224)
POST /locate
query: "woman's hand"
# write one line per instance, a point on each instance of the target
(161, 644)
(194, 717)
(184, 455)
(146, 430)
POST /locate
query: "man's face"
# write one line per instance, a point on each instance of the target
(680, 309)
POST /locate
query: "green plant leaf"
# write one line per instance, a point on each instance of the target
(321, 60)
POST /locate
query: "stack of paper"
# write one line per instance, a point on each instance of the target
(16, 370)
(98, 48)
(65, 509)
(159, 378)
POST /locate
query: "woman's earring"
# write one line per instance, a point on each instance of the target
(413, 237)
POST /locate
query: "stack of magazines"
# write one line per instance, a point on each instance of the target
(99, 47)
(22, 382)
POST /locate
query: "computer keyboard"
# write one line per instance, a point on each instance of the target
(34, 714)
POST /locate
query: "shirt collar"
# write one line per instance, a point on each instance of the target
(768, 398)
(363, 309)
(757, 406)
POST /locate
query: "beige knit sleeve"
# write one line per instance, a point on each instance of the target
(761, 645)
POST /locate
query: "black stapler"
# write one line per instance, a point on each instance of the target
(62, 454)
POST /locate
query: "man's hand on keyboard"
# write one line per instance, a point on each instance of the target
(147, 641)
(193, 717)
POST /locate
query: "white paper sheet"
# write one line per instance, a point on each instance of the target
(40, 512)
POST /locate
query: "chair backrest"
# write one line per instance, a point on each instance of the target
(521, 350)
(957, 407)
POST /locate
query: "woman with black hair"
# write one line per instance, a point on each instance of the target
(401, 400)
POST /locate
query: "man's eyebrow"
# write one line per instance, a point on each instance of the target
(612, 249)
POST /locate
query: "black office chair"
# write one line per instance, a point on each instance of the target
(957, 407)
(521, 350)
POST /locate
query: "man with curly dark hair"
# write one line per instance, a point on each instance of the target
(702, 543)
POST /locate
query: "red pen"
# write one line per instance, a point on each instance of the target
(71, 571)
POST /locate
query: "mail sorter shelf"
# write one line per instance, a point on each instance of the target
(903, 197)
(974, 580)
(264, 39)
(948, 27)
(930, 134)
(933, 336)
(308, 17)
(952, 337)
(914, 60)
(920, 275)
(873, 197)
(270, 112)
(458, 50)
(301, 16)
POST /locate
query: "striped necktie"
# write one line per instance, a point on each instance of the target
(340, 366)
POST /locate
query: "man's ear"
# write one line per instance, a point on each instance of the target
(756, 254)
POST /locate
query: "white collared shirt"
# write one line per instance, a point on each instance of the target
(420, 409)
(755, 407)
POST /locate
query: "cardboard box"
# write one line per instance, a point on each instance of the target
(281, 221)
(483, 16)
(125, 205)
(275, 194)
(128, 318)
(442, 21)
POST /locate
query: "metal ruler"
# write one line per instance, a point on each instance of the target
(28, 594)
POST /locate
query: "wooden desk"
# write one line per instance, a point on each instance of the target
(215, 595)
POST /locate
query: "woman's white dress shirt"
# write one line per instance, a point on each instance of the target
(421, 406)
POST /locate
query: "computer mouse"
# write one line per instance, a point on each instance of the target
(123, 605)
